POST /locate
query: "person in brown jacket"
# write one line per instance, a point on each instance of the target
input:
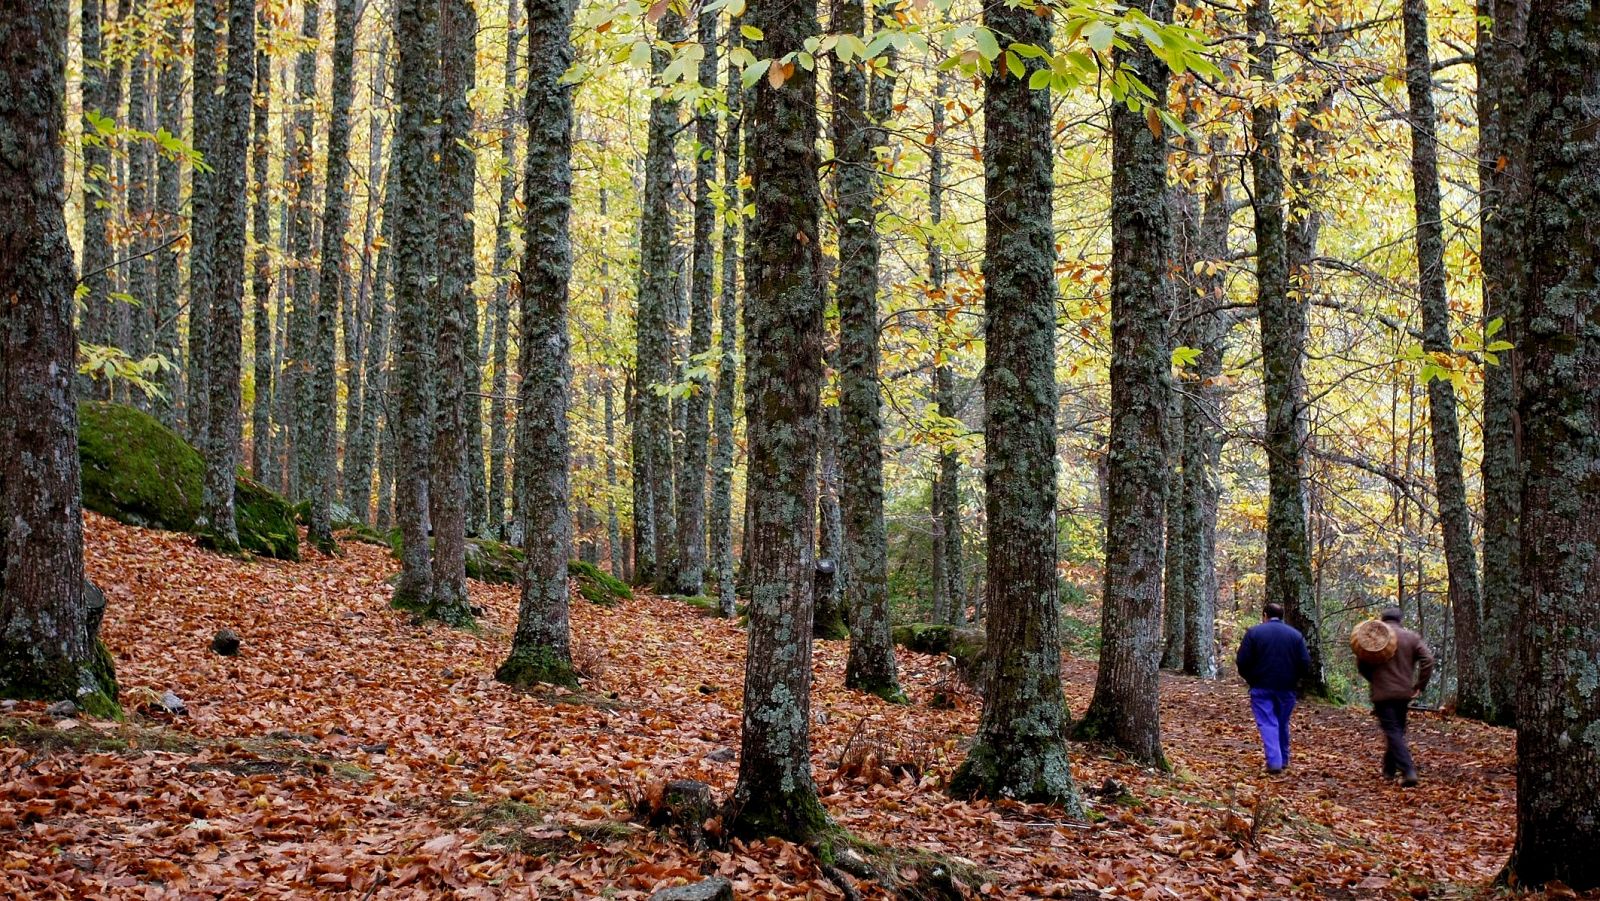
(1394, 683)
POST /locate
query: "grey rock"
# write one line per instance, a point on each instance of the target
(226, 643)
(716, 888)
(721, 755)
(62, 710)
(173, 704)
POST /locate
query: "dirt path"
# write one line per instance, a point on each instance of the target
(349, 752)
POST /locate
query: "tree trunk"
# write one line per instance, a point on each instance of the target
(775, 794)
(1202, 424)
(828, 619)
(1019, 751)
(206, 122)
(49, 648)
(728, 365)
(1502, 180)
(652, 434)
(1558, 708)
(322, 433)
(500, 313)
(169, 115)
(691, 484)
(262, 465)
(949, 569)
(1174, 590)
(1283, 339)
(416, 256)
(362, 434)
(447, 502)
(224, 334)
(300, 376)
(140, 218)
(540, 648)
(1455, 519)
(857, 133)
(97, 255)
(1125, 710)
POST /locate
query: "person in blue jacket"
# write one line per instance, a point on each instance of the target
(1273, 658)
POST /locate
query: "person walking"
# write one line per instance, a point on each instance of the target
(1273, 658)
(1392, 685)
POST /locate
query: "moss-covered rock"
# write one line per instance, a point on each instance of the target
(495, 562)
(596, 585)
(138, 471)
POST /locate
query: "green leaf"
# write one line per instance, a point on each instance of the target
(1099, 36)
(988, 45)
(752, 33)
(1039, 79)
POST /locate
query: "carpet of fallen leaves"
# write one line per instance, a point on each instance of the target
(348, 751)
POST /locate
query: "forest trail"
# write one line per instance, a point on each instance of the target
(349, 752)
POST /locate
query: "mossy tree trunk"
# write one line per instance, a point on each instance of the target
(776, 794)
(857, 135)
(540, 649)
(828, 619)
(97, 255)
(139, 217)
(949, 569)
(500, 308)
(1558, 709)
(1283, 340)
(416, 252)
(224, 334)
(1019, 751)
(652, 434)
(169, 115)
(48, 646)
(263, 462)
(1125, 710)
(305, 333)
(695, 453)
(448, 482)
(323, 433)
(205, 124)
(1502, 181)
(1455, 518)
(728, 363)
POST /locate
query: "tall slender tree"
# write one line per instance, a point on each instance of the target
(1019, 751)
(205, 125)
(857, 136)
(1502, 181)
(1125, 709)
(1283, 341)
(691, 520)
(304, 334)
(48, 643)
(447, 501)
(540, 648)
(165, 306)
(500, 310)
(224, 334)
(416, 232)
(322, 432)
(949, 571)
(263, 461)
(139, 221)
(652, 430)
(1558, 708)
(97, 254)
(728, 363)
(1455, 517)
(775, 794)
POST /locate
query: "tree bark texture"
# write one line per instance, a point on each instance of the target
(775, 793)
(48, 644)
(1019, 751)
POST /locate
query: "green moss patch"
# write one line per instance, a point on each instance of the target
(138, 471)
(596, 585)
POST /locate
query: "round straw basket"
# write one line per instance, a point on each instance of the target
(1373, 641)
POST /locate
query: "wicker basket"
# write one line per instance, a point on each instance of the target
(1373, 641)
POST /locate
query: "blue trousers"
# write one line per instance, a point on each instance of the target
(1272, 710)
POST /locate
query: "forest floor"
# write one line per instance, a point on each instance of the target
(346, 751)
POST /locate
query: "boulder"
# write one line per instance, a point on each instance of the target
(964, 644)
(717, 888)
(596, 585)
(61, 710)
(225, 643)
(138, 471)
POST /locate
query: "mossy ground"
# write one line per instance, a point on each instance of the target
(138, 471)
(598, 586)
(527, 667)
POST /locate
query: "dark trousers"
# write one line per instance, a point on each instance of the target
(1397, 753)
